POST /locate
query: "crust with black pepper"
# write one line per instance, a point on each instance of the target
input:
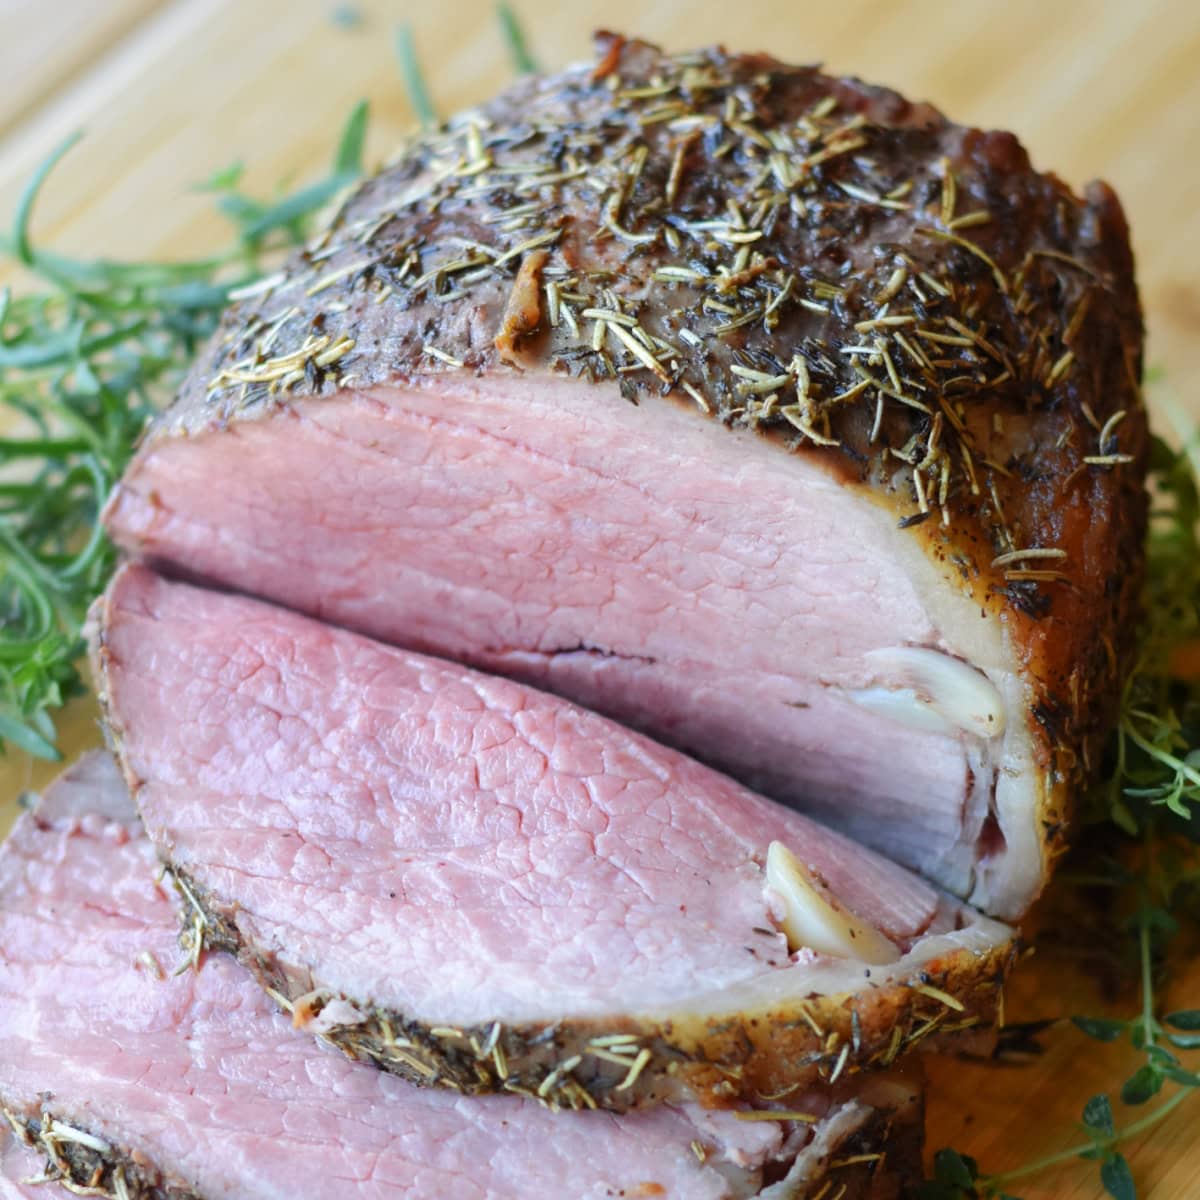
(759, 1055)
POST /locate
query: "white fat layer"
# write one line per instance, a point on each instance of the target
(1005, 882)
(829, 976)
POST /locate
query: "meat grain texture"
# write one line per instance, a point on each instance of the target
(129, 1081)
(477, 884)
(764, 411)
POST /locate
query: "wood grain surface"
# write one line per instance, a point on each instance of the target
(170, 91)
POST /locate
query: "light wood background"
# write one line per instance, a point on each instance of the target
(170, 91)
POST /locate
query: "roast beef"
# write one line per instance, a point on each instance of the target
(762, 410)
(125, 1078)
(472, 882)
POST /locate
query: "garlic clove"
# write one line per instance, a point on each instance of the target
(904, 706)
(964, 697)
(815, 918)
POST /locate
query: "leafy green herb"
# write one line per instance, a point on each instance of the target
(518, 51)
(414, 78)
(346, 16)
(83, 364)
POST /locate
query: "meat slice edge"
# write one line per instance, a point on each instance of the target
(191, 1088)
(462, 878)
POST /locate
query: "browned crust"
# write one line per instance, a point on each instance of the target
(116, 1172)
(620, 1064)
(1032, 342)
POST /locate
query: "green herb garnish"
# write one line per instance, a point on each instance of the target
(84, 362)
(522, 61)
(414, 78)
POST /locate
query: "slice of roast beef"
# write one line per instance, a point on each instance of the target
(764, 411)
(472, 882)
(122, 1078)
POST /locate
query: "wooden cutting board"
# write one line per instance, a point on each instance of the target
(169, 92)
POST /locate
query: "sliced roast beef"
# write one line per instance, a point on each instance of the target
(472, 882)
(127, 1079)
(762, 410)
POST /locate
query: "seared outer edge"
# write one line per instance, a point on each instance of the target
(746, 224)
(84, 1168)
(760, 1057)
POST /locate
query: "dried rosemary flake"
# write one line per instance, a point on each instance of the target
(946, 339)
(1035, 576)
(683, 274)
(333, 276)
(542, 239)
(1092, 419)
(338, 350)
(258, 288)
(887, 390)
(491, 1041)
(1060, 368)
(698, 396)
(883, 322)
(559, 1073)
(500, 1061)
(1107, 460)
(889, 1055)
(442, 355)
(147, 959)
(851, 392)
(971, 248)
(568, 317)
(891, 289)
(60, 1132)
(1013, 556)
(611, 1056)
(853, 1159)
(615, 1039)
(280, 999)
(969, 220)
(639, 1065)
(937, 994)
(611, 315)
(1110, 425)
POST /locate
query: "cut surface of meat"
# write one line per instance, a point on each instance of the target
(140, 1083)
(868, 535)
(400, 845)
